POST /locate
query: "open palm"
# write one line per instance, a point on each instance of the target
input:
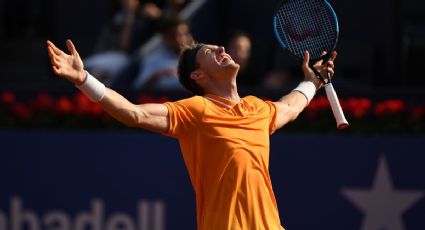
(69, 66)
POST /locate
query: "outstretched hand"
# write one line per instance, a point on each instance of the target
(69, 66)
(322, 68)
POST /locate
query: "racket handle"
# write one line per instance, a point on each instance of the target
(341, 122)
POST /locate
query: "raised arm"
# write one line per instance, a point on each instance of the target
(153, 117)
(292, 104)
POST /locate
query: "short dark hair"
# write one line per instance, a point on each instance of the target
(187, 64)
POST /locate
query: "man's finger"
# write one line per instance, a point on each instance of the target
(55, 49)
(56, 70)
(333, 57)
(54, 61)
(50, 52)
(71, 47)
(306, 59)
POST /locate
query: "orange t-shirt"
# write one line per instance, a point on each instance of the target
(225, 147)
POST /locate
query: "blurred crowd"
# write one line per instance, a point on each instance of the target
(117, 43)
(138, 44)
(118, 59)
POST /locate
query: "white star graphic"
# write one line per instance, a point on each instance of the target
(382, 205)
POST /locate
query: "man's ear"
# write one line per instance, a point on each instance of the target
(196, 75)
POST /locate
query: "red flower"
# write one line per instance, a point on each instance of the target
(358, 108)
(7, 97)
(43, 101)
(64, 105)
(21, 111)
(83, 106)
(96, 109)
(389, 107)
(316, 106)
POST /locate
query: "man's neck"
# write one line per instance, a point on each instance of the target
(228, 92)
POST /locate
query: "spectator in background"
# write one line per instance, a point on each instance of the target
(131, 25)
(159, 69)
(238, 46)
(125, 79)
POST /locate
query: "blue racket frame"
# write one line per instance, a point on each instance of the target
(314, 58)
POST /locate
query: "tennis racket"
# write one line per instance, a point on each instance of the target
(311, 25)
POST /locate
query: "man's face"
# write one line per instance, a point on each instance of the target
(214, 60)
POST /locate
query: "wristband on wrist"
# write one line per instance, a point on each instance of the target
(308, 89)
(92, 88)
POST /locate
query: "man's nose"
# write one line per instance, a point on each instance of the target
(221, 49)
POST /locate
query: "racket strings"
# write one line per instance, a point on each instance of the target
(304, 26)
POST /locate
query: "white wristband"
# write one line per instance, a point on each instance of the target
(92, 88)
(307, 88)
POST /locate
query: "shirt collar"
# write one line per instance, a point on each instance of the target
(221, 100)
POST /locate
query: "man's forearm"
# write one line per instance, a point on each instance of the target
(292, 104)
(121, 109)
(112, 102)
(295, 100)
(301, 96)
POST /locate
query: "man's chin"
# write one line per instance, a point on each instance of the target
(235, 66)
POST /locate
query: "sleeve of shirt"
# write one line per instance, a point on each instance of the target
(272, 116)
(182, 117)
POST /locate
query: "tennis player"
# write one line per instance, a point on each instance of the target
(224, 138)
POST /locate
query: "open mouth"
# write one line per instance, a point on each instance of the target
(224, 59)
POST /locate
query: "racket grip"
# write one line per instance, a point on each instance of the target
(341, 122)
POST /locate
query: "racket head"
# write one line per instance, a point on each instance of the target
(301, 25)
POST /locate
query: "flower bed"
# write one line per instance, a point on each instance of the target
(77, 112)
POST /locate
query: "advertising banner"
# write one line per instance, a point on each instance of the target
(138, 181)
